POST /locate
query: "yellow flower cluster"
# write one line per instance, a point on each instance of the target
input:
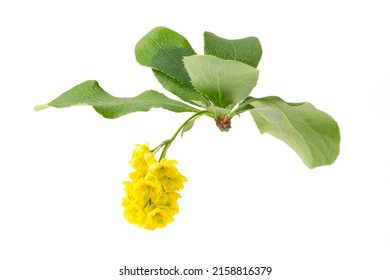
(152, 193)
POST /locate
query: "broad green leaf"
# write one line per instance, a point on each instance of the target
(224, 82)
(163, 49)
(184, 92)
(247, 50)
(90, 93)
(311, 133)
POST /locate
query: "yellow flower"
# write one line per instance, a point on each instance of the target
(151, 194)
(158, 217)
(133, 212)
(167, 173)
(129, 187)
(147, 188)
(137, 175)
(142, 158)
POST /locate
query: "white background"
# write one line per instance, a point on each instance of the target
(249, 201)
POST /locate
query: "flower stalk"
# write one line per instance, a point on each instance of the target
(167, 143)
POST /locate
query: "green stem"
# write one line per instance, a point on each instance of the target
(155, 150)
(166, 144)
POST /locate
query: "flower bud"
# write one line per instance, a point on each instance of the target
(223, 123)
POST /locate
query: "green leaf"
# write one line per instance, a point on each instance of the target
(163, 49)
(224, 82)
(181, 90)
(187, 127)
(311, 133)
(90, 93)
(247, 50)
